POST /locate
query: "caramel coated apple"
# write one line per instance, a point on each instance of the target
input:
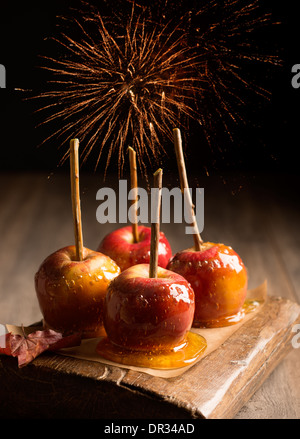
(219, 280)
(71, 293)
(120, 246)
(147, 314)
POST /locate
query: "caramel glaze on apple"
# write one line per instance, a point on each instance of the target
(143, 313)
(219, 280)
(148, 320)
(71, 293)
(120, 246)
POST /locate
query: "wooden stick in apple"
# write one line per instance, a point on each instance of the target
(75, 195)
(130, 245)
(133, 182)
(149, 311)
(185, 186)
(71, 283)
(215, 271)
(155, 225)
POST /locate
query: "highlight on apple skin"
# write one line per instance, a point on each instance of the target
(119, 245)
(71, 293)
(219, 279)
(148, 314)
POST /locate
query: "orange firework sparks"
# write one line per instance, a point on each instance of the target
(123, 87)
(130, 79)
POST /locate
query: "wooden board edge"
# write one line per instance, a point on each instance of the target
(158, 391)
(265, 368)
(263, 365)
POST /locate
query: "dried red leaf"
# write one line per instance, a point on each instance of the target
(27, 347)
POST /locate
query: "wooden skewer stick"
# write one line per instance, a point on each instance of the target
(155, 225)
(75, 194)
(133, 183)
(185, 186)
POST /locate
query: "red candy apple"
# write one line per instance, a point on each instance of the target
(71, 293)
(219, 280)
(145, 314)
(120, 246)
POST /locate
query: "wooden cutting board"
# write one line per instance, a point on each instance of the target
(216, 387)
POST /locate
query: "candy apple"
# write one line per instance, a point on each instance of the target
(120, 246)
(148, 314)
(71, 293)
(219, 280)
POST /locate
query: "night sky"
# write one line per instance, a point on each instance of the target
(266, 143)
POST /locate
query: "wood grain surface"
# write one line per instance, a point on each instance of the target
(258, 216)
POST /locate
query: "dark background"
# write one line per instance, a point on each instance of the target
(267, 144)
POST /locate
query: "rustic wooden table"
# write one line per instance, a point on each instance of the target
(258, 216)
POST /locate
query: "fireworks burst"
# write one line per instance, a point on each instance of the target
(231, 52)
(129, 80)
(235, 45)
(123, 86)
